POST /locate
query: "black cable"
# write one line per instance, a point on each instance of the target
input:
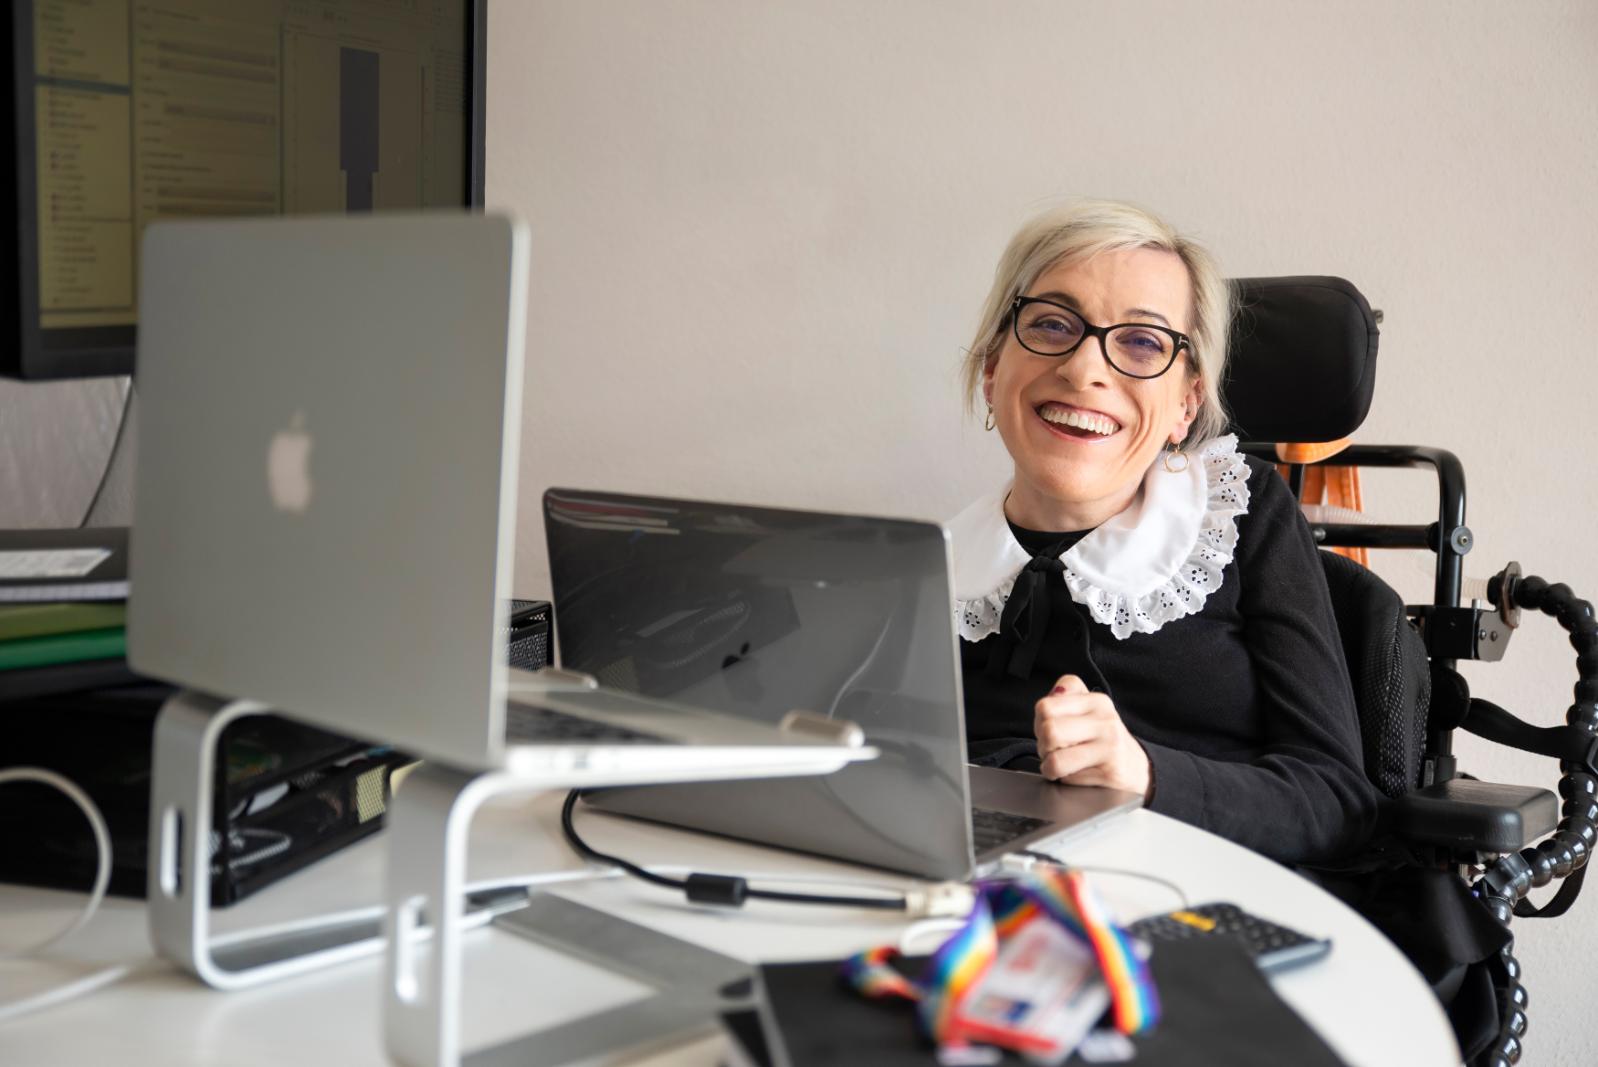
(587, 851)
(725, 889)
(111, 458)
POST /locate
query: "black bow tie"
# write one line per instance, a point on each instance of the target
(1026, 618)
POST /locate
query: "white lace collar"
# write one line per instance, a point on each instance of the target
(1158, 560)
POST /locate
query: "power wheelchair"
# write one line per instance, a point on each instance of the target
(1303, 370)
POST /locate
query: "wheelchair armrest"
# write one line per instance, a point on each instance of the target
(1474, 816)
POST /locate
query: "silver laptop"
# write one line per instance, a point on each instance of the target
(326, 495)
(753, 611)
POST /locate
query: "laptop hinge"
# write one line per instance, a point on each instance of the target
(809, 725)
(553, 680)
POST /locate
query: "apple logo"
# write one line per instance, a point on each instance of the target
(288, 467)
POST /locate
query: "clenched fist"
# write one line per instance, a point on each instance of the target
(1082, 741)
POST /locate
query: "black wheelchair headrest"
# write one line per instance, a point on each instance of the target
(1303, 359)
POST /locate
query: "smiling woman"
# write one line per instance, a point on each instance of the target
(1083, 409)
(1141, 606)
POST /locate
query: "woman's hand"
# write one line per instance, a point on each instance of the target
(1082, 741)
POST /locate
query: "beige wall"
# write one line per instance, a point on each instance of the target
(762, 232)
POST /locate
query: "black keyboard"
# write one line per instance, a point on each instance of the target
(993, 829)
(1272, 945)
(529, 725)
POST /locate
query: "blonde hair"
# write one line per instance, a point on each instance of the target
(1083, 229)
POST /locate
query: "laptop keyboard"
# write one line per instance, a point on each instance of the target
(529, 725)
(993, 829)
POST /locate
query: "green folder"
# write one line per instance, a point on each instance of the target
(110, 643)
(37, 620)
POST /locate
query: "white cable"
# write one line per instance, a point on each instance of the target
(66, 991)
(102, 879)
(1026, 859)
(832, 709)
(102, 844)
(102, 838)
(916, 930)
(1181, 894)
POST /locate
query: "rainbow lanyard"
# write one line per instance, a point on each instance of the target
(1002, 908)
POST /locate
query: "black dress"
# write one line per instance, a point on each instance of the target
(1244, 708)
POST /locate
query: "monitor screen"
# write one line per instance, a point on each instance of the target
(127, 111)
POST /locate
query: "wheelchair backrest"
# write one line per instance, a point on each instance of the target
(1390, 672)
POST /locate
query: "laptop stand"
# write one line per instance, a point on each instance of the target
(690, 987)
(428, 825)
(182, 792)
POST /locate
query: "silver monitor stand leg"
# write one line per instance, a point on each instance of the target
(183, 785)
(428, 828)
(429, 823)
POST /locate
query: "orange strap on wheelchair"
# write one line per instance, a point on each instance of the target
(1336, 487)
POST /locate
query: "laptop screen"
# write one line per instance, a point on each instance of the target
(755, 612)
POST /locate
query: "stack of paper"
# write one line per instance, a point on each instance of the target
(38, 635)
(63, 597)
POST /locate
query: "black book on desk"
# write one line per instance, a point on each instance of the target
(59, 565)
(62, 610)
(74, 677)
(1218, 1010)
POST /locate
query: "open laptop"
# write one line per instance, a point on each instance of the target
(326, 496)
(754, 611)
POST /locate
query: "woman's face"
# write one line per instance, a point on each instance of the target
(1075, 477)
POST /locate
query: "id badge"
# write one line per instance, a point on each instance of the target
(1040, 997)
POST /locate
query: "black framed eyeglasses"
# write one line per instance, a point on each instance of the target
(1136, 349)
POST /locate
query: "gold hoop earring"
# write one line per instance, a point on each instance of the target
(1175, 452)
(988, 423)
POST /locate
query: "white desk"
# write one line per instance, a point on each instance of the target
(1366, 1000)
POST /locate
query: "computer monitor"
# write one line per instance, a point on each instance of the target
(120, 112)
